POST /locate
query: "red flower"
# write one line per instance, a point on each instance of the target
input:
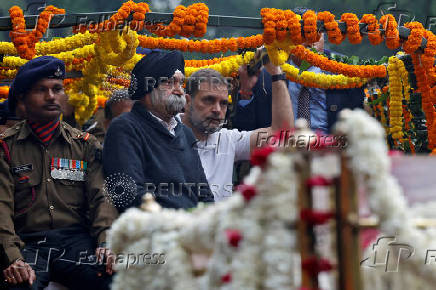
(233, 237)
(318, 181)
(395, 153)
(227, 278)
(315, 217)
(247, 191)
(314, 266)
(259, 156)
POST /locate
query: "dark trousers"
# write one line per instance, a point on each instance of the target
(66, 256)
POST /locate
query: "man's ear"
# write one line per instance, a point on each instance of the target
(188, 100)
(145, 100)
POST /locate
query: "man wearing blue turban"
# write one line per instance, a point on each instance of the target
(148, 150)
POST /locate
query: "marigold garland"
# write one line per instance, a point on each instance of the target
(8, 73)
(187, 21)
(413, 42)
(4, 91)
(334, 33)
(276, 55)
(139, 10)
(65, 44)
(423, 87)
(72, 58)
(392, 35)
(311, 79)
(362, 71)
(320, 80)
(269, 25)
(113, 49)
(311, 34)
(24, 41)
(226, 67)
(175, 27)
(106, 59)
(353, 29)
(294, 27)
(205, 62)
(430, 52)
(7, 48)
(281, 26)
(374, 34)
(200, 12)
(395, 99)
(204, 46)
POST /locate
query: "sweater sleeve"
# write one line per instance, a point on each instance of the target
(122, 164)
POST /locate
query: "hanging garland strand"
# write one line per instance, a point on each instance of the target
(363, 71)
(24, 41)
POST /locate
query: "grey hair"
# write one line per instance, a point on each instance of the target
(211, 76)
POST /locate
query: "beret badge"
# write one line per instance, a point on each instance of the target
(58, 72)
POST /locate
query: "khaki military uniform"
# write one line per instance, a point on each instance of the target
(33, 199)
(96, 125)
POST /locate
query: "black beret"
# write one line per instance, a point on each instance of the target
(31, 72)
(148, 72)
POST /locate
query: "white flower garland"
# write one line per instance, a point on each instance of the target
(265, 256)
(262, 260)
(368, 155)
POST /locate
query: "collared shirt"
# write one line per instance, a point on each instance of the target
(318, 102)
(218, 154)
(32, 199)
(170, 126)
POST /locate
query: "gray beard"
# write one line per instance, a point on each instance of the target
(201, 126)
(173, 104)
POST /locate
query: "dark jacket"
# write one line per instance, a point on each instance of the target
(143, 151)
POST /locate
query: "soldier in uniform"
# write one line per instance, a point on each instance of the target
(53, 214)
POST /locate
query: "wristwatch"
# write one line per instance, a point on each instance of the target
(279, 77)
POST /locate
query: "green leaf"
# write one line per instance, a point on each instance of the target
(354, 60)
(383, 97)
(304, 66)
(384, 59)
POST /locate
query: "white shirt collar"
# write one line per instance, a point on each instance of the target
(170, 126)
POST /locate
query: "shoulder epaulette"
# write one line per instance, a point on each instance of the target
(76, 133)
(85, 136)
(11, 131)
